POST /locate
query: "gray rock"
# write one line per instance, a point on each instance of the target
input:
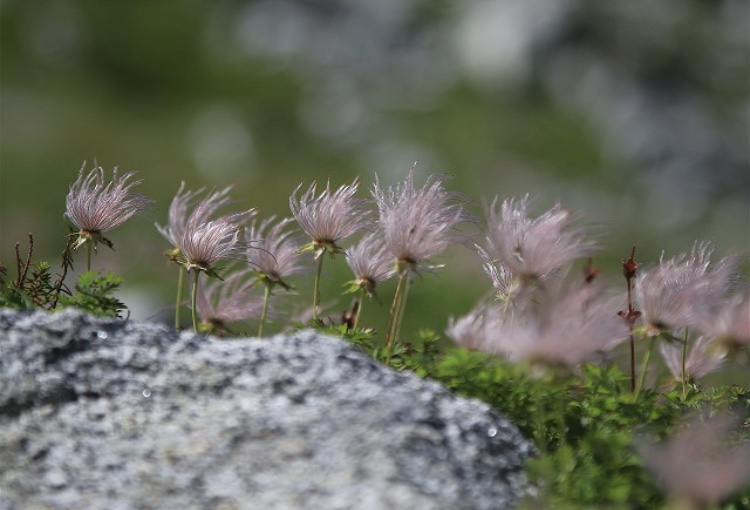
(105, 414)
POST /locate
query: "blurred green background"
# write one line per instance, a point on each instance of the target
(633, 113)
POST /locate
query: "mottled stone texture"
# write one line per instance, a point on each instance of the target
(105, 414)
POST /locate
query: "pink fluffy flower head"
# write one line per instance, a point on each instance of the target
(370, 263)
(220, 303)
(95, 206)
(530, 249)
(566, 329)
(199, 238)
(273, 252)
(684, 291)
(329, 218)
(696, 466)
(701, 359)
(419, 223)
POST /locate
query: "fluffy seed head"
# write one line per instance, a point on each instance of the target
(95, 206)
(684, 290)
(567, 328)
(329, 217)
(701, 359)
(696, 465)
(205, 241)
(219, 303)
(419, 223)
(370, 263)
(532, 248)
(179, 211)
(272, 251)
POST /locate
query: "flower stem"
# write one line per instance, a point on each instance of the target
(266, 297)
(646, 360)
(402, 305)
(88, 256)
(684, 357)
(395, 311)
(316, 291)
(359, 309)
(180, 279)
(194, 299)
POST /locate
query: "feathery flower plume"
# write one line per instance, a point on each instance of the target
(730, 325)
(328, 219)
(699, 359)
(179, 212)
(569, 328)
(273, 252)
(696, 466)
(220, 303)
(274, 255)
(205, 241)
(417, 224)
(477, 329)
(529, 249)
(95, 206)
(371, 264)
(199, 240)
(684, 291)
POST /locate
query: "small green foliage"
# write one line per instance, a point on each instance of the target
(36, 288)
(93, 294)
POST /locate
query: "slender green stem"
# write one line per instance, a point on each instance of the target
(194, 299)
(359, 310)
(180, 280)
(395, 310)
(684, 357)
(266, 297)
(88, 256)
(646, 360)
(316, 291)
(402, 306)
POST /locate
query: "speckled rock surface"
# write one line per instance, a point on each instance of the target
(102, 414)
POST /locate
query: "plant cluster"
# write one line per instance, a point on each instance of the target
(539, 348)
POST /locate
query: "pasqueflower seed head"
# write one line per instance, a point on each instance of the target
(370, 262)
(179, 212)
(329, 218)
(532, 248)
(419, 223)
(95, 206)
(685, 290)
(233, 300)
(567, 328)
(273, 251)
(701, 359)
(205, 241)
(697, 465)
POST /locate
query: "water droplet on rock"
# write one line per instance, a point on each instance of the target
(147, 393)
(492, 432)
(101, 335)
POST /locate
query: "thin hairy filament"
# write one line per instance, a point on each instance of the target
(266, 297)
(194, 299)
(316, 290)
(180, 279)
